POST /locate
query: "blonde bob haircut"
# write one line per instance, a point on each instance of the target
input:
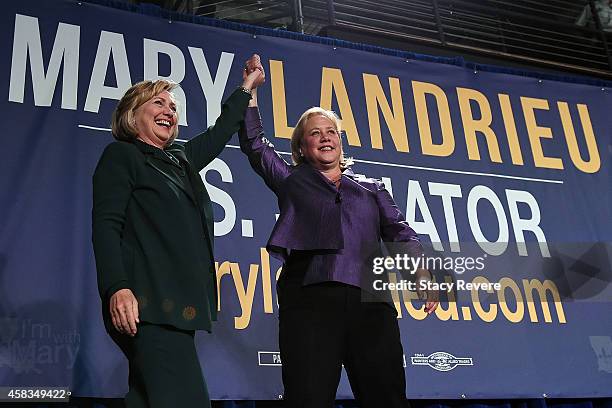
(298, 135)
(123, 120)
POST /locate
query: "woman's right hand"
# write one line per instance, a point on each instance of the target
(124, 312)
(253, 74)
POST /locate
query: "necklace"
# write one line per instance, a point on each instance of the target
(172, 158)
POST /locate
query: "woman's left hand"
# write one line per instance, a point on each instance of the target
(429, 295)
(124, 312)
(253, 74)
(432, 301)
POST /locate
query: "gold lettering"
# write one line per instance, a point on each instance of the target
(245, 297)
(486, 315)
(279, 103)
(536, 133)
(482, 125)
(517, 315)
(542, 289)
(223, 269)
(333, 82)
(446, 148)
(266, 285)
(278, 273)
(510, 125)
(375, 98)
(409, 296)
(594, 162)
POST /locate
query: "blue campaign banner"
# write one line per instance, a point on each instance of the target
(510, 169)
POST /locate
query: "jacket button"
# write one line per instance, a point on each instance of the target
(189, 312)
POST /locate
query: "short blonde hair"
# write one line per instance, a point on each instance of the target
(122, 121)
(298, 135)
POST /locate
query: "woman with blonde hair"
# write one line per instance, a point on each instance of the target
(153, 240)
(331, 221)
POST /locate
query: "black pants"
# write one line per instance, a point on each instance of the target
(164, 368)
(323, 326)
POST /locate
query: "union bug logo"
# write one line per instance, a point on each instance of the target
(441, 361)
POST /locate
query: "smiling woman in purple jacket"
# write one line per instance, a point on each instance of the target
(331, 223)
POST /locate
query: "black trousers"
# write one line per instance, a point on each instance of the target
(326, 325)
(164, 368)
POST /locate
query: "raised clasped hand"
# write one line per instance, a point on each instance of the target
(253, 74)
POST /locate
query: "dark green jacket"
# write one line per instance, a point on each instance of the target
(153, 225)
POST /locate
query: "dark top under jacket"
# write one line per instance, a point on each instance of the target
(341, 228)
(153, 224)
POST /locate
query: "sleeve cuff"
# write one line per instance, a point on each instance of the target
(252, 115)
(117, 287)
(242, 95)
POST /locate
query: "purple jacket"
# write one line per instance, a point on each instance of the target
(343, 226)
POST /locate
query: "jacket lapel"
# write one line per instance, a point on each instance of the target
(197, 193)
(201, 195)
(155, 158)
